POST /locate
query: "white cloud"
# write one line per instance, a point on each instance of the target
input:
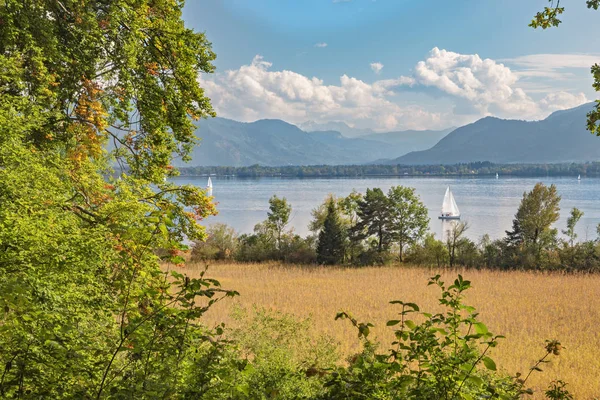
(562, 101)
(551, 66)
(256, 91)
(476, 87)
(554, 61)
(376, 67)
(321, 44)
(489, 87)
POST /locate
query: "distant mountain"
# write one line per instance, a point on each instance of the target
(561, 137)
(226, 142)
(338, 126)
(410, 140)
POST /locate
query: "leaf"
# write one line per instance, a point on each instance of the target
(393, 322)
(489, 363)
(480, 328)
(410, 324)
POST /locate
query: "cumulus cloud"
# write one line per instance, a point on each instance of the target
(376, 67)
(562, 101)
(256, 91)
(321, 44)
(488, 86)
(476, 87)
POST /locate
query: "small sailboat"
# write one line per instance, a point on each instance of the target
(209, 186)
(449, 208)
(496, 175)
(578, 177)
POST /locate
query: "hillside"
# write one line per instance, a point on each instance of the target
(560, 138)
(226, 142)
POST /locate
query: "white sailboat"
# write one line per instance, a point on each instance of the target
(449, 208)
(209, 186)
(496, 175)
(578, 177)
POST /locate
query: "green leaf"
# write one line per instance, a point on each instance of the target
(480, 328)
(489, 363)
(393, 322)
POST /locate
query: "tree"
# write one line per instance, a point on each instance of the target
(548, 19)
(278, 216)
(330, 248)
(454, 239)
(409, 217)
(375, 219)
(532, 227)
(572, 221)
(349, 206)
(88, 312)
(537, 212)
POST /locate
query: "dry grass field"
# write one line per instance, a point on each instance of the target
(527, 308)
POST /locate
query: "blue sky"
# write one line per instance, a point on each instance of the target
(394, 64)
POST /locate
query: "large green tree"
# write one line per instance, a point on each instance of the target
(409, 217)
(532, 226)
(330, 247)
(87, 311)
(375, 219)
(549, 18)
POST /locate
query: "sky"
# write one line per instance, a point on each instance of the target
(394, 64)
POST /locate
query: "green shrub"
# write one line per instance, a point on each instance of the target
(271, 356)
(221, 244)
(445, 356)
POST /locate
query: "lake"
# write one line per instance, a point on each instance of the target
(486, 203)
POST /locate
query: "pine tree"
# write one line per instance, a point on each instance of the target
(375, 219)
(330, 249)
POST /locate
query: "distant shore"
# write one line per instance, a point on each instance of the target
(482, 169)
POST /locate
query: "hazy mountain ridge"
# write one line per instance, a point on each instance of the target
(225, 142)
(561, 137)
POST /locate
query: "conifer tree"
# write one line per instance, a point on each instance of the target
(330, 249)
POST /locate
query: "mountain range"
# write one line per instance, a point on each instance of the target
(273, 142)
(561, 137)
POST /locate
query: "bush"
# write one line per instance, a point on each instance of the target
(257, 247)
(271, 355)
(443, 357)
(298, 250)
(430, 252)
(220, 244)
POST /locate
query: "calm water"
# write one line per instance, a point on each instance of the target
(487, 204)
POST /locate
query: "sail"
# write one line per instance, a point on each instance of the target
(449, 207)
(209, 184)
(455, 210)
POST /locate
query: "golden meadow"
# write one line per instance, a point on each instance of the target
(526, 307)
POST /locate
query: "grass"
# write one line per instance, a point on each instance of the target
(526, 307)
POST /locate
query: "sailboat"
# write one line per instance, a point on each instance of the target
(578, 177)
(209, 186)
(449, 208)
(496, 175)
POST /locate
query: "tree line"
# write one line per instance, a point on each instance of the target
(382, 228)
(485, 168)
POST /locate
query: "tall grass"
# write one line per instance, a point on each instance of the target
(526, 307)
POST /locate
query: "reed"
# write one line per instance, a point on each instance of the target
(526, 307)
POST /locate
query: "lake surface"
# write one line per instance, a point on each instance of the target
(487, 204)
